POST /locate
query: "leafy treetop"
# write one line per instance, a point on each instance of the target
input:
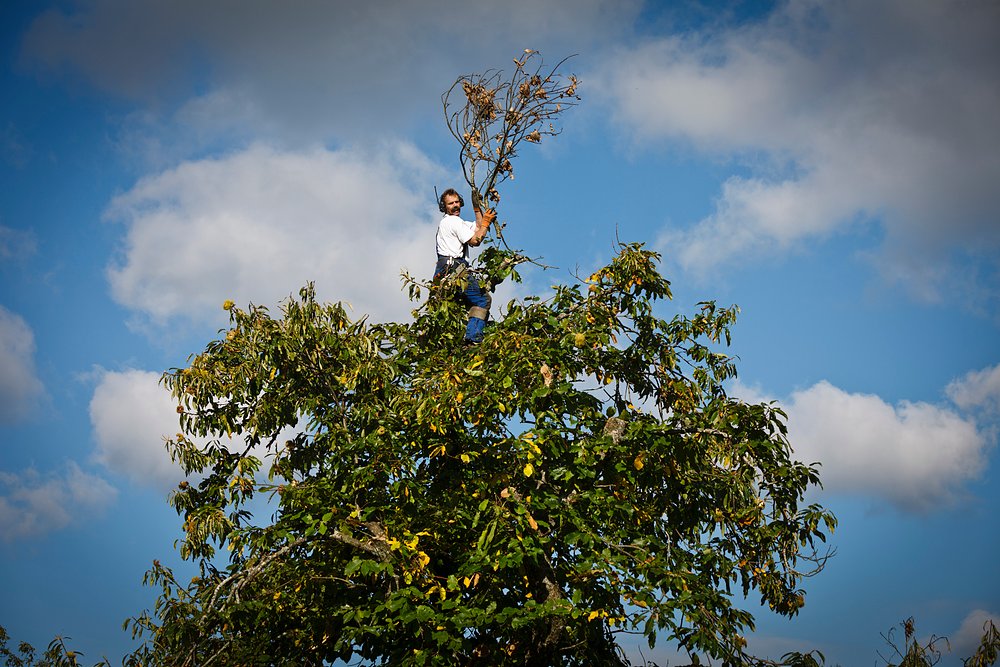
(579, 475)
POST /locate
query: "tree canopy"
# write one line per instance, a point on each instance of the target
(381, 492)
(580, 474)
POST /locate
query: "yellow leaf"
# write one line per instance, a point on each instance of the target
(529, 470)
(465, 458)
(592, 615)
(638, 462)
(423, 558)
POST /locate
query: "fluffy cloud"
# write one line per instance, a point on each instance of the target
(131, 414)
(914, 456)
(257, 225)
(977, 390)
(844, 112)
(965, 640)
(32, 504)
(20, 388)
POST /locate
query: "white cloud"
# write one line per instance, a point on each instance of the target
(20, 388)
(32, 504)
(966, 639)
(914, 455)
(843, 112)
(977, 390)
(257, 225)
(131, 414)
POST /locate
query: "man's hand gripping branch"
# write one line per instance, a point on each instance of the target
(484, 218)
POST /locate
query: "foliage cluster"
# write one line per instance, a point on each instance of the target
(580, 474)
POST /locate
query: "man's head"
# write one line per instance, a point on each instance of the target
(451, 202)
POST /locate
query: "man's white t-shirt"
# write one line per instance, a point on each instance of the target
(452, 235)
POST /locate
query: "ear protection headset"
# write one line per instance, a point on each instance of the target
(449, 191)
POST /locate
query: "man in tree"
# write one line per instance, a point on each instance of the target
(597, 481)
(454, 236)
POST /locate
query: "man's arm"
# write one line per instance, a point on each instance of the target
(483, 221)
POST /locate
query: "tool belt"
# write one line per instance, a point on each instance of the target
(445, 264)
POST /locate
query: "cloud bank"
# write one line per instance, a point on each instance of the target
(914, 456)
(259, 224)
(842, 114)
(977, 390)
(131, 414)
(965, 640)
(326, 69)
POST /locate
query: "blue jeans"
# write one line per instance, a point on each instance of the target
(473, 295)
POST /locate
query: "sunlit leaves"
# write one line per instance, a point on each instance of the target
(580, 473)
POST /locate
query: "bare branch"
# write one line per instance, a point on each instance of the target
(494, 114)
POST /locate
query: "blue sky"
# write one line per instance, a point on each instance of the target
(830, 167)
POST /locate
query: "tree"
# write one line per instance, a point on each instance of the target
(580, 474)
